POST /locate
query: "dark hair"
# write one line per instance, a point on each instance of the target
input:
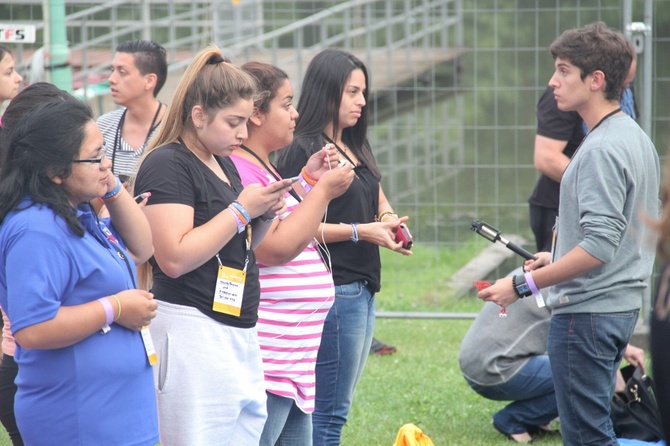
(269, 79)
(319, 106)
(597, 47)
(4, 50)
(41, 147)
(26, 100)
(150, 58)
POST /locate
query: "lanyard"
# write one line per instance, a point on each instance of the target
(272, 171)
(117, 136)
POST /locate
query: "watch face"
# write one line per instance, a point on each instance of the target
(524, 289)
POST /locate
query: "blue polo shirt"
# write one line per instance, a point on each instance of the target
(101, 388)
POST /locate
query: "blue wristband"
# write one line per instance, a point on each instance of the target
(237, 205)
(114, 191)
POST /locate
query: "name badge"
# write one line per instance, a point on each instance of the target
(149, 346)
(229, 291)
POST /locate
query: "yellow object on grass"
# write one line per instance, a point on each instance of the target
(410, 435)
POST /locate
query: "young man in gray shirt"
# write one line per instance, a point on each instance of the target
(603, 252)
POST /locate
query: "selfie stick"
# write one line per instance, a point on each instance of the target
(493, 235)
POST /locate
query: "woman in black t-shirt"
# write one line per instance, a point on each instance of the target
(205, 225)
(333, 110)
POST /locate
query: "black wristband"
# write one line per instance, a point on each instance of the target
(520, 286)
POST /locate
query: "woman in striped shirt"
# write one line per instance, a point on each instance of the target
(296, 285)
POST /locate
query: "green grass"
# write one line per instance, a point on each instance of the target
(421, 384)
(4, 438)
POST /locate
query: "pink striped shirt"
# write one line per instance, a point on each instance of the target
(295, 299)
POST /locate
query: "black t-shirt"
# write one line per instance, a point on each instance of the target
(173, 174)
(359, 204)
(660, 339)
(560, 125)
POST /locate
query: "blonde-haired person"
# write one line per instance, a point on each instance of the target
(205, 225)
(297, 288)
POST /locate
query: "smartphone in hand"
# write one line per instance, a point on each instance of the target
(402, 235)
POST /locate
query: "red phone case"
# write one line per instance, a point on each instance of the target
(403, 235)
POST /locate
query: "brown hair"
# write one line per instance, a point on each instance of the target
(211, 82)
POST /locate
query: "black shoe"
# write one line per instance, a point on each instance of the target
(379, 348)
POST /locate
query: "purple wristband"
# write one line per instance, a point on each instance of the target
(240, 224)
(109, 312)
(531, 283)
(304, 183)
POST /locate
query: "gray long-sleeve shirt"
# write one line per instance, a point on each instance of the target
(610, 184)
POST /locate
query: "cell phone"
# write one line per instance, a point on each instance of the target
(140, 198)
(294, 179)
(402, 235)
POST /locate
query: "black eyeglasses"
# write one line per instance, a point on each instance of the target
(93, 160)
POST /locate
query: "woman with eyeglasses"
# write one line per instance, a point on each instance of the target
(68, 283)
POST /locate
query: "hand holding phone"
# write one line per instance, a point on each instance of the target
(141, 197)
(294, 179)
(402, 235)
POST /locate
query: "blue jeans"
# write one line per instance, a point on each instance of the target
(532, 394)
(286, 425)
(585, 350)
(345, 344)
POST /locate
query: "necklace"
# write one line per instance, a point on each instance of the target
(614, 112)
(117, 136)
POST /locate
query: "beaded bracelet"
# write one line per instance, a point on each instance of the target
(387, 214)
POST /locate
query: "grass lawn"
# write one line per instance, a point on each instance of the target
(422, 383)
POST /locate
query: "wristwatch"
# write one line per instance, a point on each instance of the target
(520, 286)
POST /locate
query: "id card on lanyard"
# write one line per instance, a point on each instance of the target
(229, 290)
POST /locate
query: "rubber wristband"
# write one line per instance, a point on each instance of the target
(303, 182)
(240, 223)
(114, 191)
(109, 311)
(531, 283)
(311, 181)
(237, 205)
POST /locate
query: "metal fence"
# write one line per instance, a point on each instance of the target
(453, 130)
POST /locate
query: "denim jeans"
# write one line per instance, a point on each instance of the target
(585, 350)
(286, 425)
(345, 344)
(532, 394)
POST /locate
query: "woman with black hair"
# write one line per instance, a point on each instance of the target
(68, 283)
(333, 110)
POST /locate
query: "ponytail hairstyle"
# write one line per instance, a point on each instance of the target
(210, 81)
